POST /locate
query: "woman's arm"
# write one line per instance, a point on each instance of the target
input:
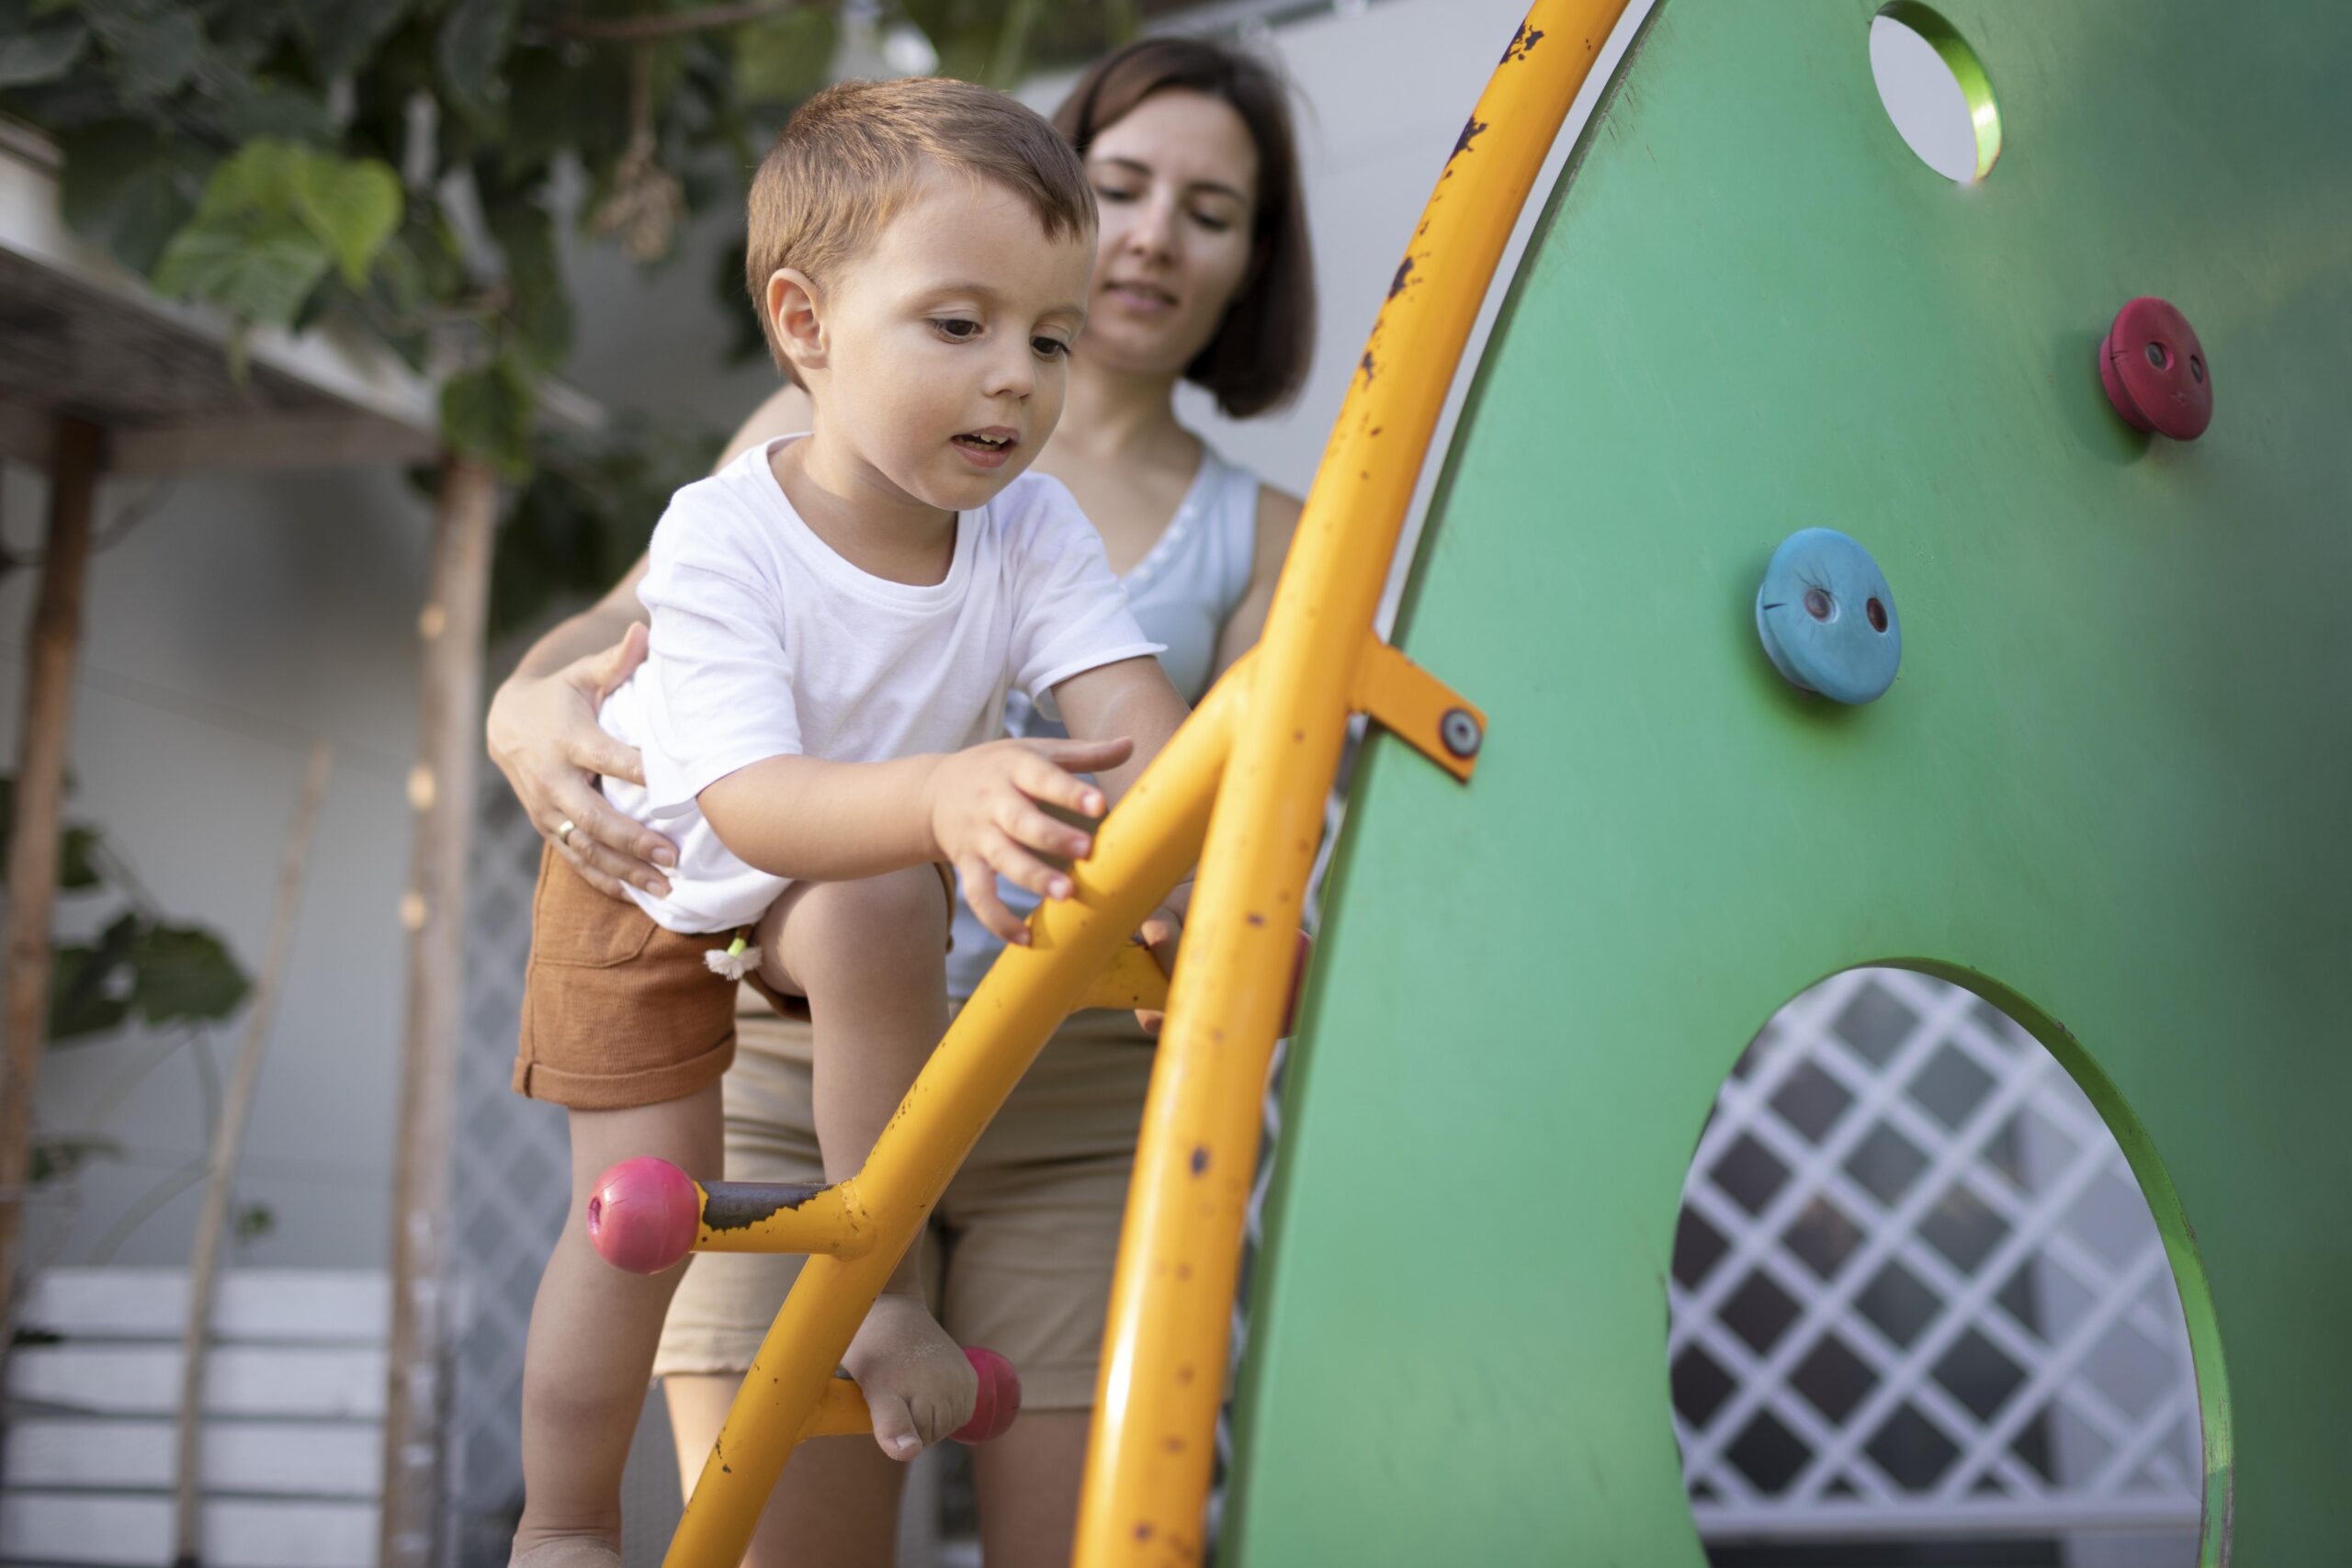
(1277, 521)
(542, 729)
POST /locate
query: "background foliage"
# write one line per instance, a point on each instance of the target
(410, 164)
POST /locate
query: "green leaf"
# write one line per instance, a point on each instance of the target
(785, 58)
(77, 860)
(252, 108)
(263, 180)
(256, 1221)
(339, 34)
(263, 273)
(274, 218)
(54, 1159)
(352, 206)
(541, 307)
(471, 46)
(89, 988)
(488, 414)
(42, 52)
(184, 972)
(121, 187)
(153, 48)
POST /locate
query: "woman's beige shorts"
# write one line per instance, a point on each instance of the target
(1020, 1247)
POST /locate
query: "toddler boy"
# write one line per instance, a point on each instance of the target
(836, 619)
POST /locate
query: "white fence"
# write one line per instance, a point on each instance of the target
(1917, 1293)
(293, 1446)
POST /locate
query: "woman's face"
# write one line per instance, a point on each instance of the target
(1176, 178)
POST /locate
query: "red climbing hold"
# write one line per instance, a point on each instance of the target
(2154, 370)
(643, 1215)
(998, 1401)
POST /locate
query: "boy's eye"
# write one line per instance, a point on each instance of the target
(958, 329)
(1049, 347)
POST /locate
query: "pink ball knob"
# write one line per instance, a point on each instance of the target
(999, 1398)
(643, 1215)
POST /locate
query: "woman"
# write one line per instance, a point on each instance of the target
(1202, 275)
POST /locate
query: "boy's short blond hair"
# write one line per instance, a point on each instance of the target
(852, 155)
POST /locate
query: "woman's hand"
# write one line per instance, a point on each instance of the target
(1163, 932)
(543, 737)
(986, 808)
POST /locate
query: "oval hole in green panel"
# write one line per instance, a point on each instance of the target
(1932, 1285)
(1935, 90)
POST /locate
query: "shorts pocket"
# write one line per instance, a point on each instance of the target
(575, 927)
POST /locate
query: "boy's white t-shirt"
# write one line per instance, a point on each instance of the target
(766, 643)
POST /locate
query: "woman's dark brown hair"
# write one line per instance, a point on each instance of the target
(1258, 357)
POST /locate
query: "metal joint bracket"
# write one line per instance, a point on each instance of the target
(1420, 709)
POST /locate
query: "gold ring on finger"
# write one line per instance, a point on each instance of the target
(563, 832)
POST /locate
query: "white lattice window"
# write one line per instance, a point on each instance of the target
(1917, 1291)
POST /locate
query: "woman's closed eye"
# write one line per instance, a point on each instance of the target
(1120, 194)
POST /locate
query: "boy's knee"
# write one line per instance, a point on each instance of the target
(900, 916)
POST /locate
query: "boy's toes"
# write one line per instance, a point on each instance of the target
(895, 1430)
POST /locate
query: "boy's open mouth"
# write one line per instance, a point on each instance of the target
(986, 447)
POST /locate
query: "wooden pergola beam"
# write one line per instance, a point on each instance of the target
(33, 834)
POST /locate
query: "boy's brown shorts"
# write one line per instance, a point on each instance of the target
(618, 1012)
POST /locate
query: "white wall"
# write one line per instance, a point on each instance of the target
(241, 619)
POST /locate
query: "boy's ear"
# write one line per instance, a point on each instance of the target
(796, 311)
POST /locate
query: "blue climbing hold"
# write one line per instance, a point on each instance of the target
(1826, 617)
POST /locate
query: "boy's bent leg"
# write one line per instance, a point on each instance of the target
(590, 1356)
(870, 956)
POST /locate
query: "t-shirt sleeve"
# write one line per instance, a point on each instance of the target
(1072, 613)
(718, 676)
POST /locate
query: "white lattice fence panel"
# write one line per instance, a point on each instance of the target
(1916, 1290)
(509, 1189)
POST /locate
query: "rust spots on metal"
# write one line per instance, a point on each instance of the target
(1472, 128)
(1404, 271)
(740, 1205)
(1523, 43)
(1200, 1159)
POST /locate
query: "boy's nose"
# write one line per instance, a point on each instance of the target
(1012, 375)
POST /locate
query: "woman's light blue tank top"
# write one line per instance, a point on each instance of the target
(1182, 591)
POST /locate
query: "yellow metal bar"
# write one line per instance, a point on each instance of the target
(1163, 1364)
(774, 1216)
(1148, 842)
(1133, 980)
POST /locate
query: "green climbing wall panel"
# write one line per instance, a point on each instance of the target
(2109, 789)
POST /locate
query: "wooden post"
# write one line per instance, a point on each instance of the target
(33, 836)
(441, 790)
(228, 1145)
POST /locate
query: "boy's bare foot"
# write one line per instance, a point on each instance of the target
(917, 1383)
